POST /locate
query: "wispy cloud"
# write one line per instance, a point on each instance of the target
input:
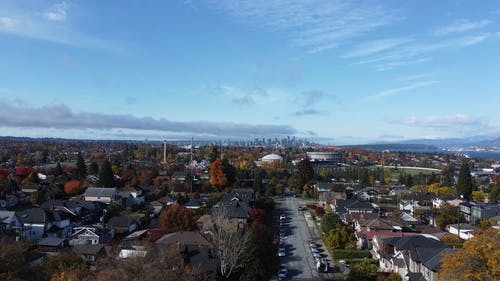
(314, 25)
(419, 52)
(461, 26)
(392, 92)
(413, 77)
(57, 12)
(460, 124)
(374, 47)
(51, 24)
(60, 116)
(306, 112)
(256, 96)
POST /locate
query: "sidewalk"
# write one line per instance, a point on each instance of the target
(316, 237)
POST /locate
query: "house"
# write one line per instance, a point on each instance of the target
(102, 194)
(38, 223)
(412, 206)
(414, 258)
(464, 230)
(349, 206)
(237, 204)
(90, 252)
(9, 222)
(51, 244)
(8, 201)
(179, 176)
(131, 196)
(198, 252)
(474, 212)
(84, 235)
(123, 224)
(158, 205)
(448, 199)
(194, 204)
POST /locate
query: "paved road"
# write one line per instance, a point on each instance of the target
(299, 259)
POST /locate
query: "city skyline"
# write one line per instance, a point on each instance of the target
(335, 72)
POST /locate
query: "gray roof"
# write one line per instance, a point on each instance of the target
(101, 192)
(434, 263)
(122, 221)
(6, 217)
(90, 249)
(51, 242)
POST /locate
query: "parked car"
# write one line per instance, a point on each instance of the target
(282, 272)
(281, 252)
(282, 217)
(282, 232)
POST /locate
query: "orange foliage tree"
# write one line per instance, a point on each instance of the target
(72, 187)
(217, 176)
(177, 218)
(479, 259)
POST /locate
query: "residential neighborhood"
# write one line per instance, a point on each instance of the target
(332, 212)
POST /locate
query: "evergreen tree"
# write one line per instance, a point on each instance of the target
(464, 182)
(106, 177)
(306, 171)
(59, 170)
(230, 171)
(81, 169)
(448, 176)
(257, 181)
(94, 168)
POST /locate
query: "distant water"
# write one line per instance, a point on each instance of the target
(472, 154)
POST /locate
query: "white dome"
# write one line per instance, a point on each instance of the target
(272, 158)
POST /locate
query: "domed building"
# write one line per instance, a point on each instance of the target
(272, 158)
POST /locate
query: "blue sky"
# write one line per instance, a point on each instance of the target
(334, 71)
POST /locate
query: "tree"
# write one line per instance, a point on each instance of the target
(106, 176)
(229, 171)
(233, 243)
(341, 237)
(464, 182)
(479, 259)
(57, 266)
(13, 259)
(394, 277)
(177, 218)
(365, 270)
(478, 196)
(217, 176)
(494, 195)
(58, 170)
(306, 171)
(257, 181)
(447, 214)
(329, 222)
(81, 169)
(93, 168)
(72, 187)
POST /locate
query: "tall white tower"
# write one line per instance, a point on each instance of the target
(165, 151)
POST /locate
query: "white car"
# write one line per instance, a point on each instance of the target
(316, 255)
(315, 250)
(281, 252)
(282, 217)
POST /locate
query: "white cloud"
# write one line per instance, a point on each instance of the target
(57, 12)
(374, 47)
(412, 77)
(256, 96)
(314, 25)
(60, 116)
(52, 25)
(392, 92)
(461, 26)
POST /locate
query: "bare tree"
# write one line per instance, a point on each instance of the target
(232, 240)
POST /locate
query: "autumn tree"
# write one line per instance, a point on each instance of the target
(72, 187)
(478, 196)
(479, 259)
(464, 182)
(217, 176)
(365, 270)
(106, 176)
(341, 237)
(494, 195)
(177, 218)
(66, 265)
(14, 257)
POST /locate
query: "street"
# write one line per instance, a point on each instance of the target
(298, 259)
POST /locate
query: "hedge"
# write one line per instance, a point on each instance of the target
(350, 254)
